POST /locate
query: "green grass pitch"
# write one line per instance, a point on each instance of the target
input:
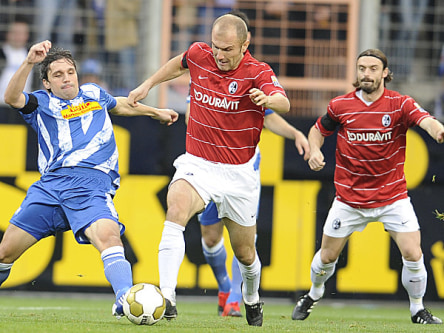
(32, 312)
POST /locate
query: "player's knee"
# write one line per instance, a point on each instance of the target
(209, 242)
(6, 257)
(211, 239)
(246, 257)
(179, 214)
(412, 255)
(102, 241)
(328, 257)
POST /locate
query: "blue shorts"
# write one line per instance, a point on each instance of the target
(210, 215)
(67, 199)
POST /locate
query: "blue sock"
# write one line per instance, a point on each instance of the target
(236, 282)
(5, 269)
(216, 257)
(117, 270)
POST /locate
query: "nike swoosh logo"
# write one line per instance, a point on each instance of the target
(350, 121)
(202, 77)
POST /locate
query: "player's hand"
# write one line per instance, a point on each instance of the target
(167, 116)
(316, 160)
(37, 53)
(137, 94)
(258, 97)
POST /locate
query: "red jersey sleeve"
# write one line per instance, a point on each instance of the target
(414, 112)
(327, 123)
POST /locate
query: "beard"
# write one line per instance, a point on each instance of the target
(369, 88)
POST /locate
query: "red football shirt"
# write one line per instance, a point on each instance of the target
(224, 125)
(370, 148)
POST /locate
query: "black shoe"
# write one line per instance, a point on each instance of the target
(254, 314)
(170, 310)
(303, 307)
(425, 317)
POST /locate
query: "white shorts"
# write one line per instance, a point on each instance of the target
(343, 220)
(234, 188)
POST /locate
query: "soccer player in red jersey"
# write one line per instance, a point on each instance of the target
(229, 92)
(371, 124)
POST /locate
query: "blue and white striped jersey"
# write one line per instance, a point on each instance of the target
(75, 132)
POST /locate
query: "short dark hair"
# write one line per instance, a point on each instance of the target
(55, 54)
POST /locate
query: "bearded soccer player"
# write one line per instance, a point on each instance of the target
(372, 123)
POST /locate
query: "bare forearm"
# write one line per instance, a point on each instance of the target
(14, 91)
(315, 139)
(434, 128)
(280, 126)
(171, 70)
(124, 109)
(278, 103)
(13, 94)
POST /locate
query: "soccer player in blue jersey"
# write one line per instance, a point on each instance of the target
(77, 161)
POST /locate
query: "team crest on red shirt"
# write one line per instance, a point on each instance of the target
(232, 88)
(386, 120)
(419, 107)
(275, 81)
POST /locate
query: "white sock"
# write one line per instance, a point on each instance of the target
(319, 274)
(171, 254)
(251, 276)
(414, 280)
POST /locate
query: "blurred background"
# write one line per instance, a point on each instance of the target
(312, 46)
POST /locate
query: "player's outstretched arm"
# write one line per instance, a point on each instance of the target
(172, 69)
(14, 91)
(123, 108)
(276, 102)
(316, 141)
(280, 126)
(434, 128)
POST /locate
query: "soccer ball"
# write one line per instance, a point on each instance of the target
(144, 304)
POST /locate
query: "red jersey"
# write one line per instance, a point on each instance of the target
(370, 149)
(224, 124)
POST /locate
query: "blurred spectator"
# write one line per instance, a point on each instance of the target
(411, 15)
(186, 13)
(91, 71)
(275, 11)
(14, 10)
(121, 40)
(55, 20)
(207, 15)
(194, 19)
(12, 53)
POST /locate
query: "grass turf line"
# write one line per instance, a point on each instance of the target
(36, 314)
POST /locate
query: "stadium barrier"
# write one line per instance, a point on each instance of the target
(294, 204)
